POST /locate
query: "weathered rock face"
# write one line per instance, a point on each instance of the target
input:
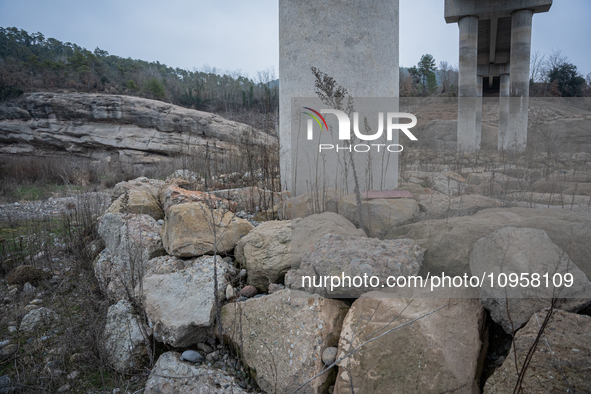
(137, 202)
(526, 251)
(380, 216)
(449, 242)
(560, 363)
(127, 129)
(274, 247)
(435, 354)
(130, 242)
(282, 337)
(171, 375)
(124, 341)
(334, 255)
(180, 303)
(189, 230)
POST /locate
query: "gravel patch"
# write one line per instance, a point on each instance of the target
(54, 207)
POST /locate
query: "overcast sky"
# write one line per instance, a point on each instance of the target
(243, 35)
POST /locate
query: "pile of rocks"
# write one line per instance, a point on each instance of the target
(163, 271)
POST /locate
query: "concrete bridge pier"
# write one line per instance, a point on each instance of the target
(355, 42)
(478, 104)
(468, 83)
(504, 92)
(521, 24)
(495, 42)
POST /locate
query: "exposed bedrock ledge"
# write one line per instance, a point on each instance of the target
(137, 130)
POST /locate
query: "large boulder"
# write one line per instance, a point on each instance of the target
(274, 247)
(124, 338)
(130, 242)
(525, 253)
(171, 375)
(437, 353)
(351, 256)
(137, 202)
(174, 195)
(379, 216)
(180, 303)
(193, 229)
(560, 363)
(446, 182)
(151, 186)
(325, 200)
(560, 181)
(439, 206)
(265, 252)
(39, 319)
(449, 242)
(281, 338)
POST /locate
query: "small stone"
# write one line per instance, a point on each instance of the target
(213, 356)
(11, 328)
(53, 368)
(73, 375)
(28, 288)
(192, 356)
(7, 300)
(204, 348)
(242, 273)
(29, 308)
(259, 295)
(228, 259)
(242, 298)
(13, 292)
(9, 350)
(36, 301)
(211, 341)
(13, 287)
(229, 292)
(5, 385)
(77, 357)
(248, 291)
(329, 355)
(4, 343)
(64, 388)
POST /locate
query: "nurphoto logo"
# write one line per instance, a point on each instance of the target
(345, 130)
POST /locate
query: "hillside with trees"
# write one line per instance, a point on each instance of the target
(32, 62)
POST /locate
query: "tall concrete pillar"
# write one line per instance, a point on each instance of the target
(504, 111)
(467, 85)
(478, 104)
(521, 25)
(356, 43)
